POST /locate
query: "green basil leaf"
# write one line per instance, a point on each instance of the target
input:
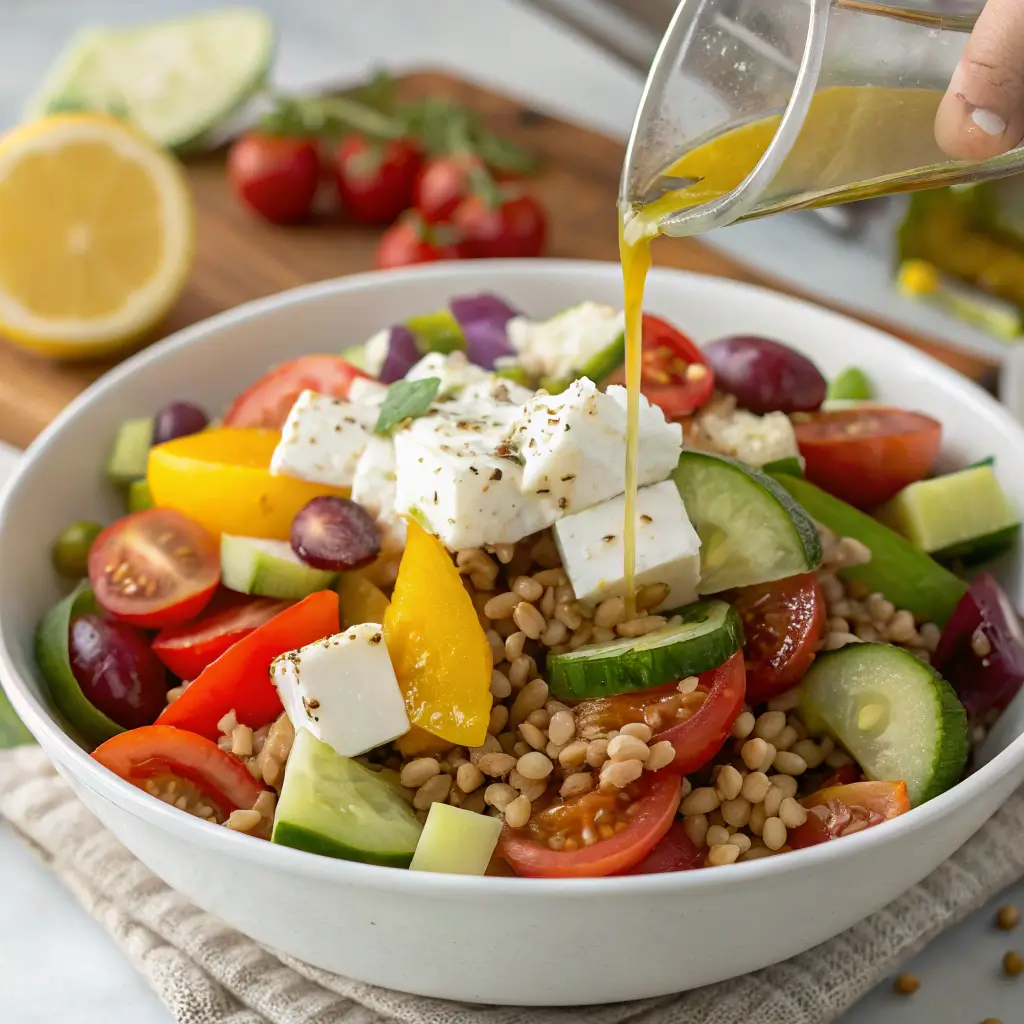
(405, 400)
(54, 662)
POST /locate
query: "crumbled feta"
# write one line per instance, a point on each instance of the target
(753, 439)
(364, 391)
(667, 547)
(562, 347)
(573, 445)
(454, 370)
(374, 488)
(343, 690)
(323, 439)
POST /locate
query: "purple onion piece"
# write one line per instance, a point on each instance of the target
(981, 650)
(483, 318)
(402, 355)
(335, 534)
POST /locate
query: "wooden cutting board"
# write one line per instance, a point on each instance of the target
(239, 258)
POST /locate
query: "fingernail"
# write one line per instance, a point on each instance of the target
(989, 123)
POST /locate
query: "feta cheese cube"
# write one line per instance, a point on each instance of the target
(323, 439)
(363, 391)
(755, 440)
(374, 487)
(454, 370)
(667, 547)
(343, 690)
(573, 445)
(563, 346)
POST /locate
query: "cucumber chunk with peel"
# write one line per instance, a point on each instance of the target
(269, 568)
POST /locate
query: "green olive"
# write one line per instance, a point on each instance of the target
(71, 548)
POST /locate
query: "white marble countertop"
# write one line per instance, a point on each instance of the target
(45, 935)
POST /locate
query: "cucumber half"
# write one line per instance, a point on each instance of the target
(896, 715)
(269, 568)
(711, 632)
(333, 806)
(175, 80)
(751, 531)
(131, 451)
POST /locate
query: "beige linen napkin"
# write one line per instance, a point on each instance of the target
(206, 972)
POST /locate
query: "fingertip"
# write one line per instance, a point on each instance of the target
(967, 132)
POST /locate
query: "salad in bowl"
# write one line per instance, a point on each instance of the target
(375, 607)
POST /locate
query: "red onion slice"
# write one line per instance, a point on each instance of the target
(483, 318)
(981, 650)
(402, 355)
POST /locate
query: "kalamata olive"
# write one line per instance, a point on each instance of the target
(335, 534)
(117, 671)
(178, 419)
(71, 548)
(765, 375)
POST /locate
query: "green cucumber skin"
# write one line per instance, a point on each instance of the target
(951, 757)
(899, 571)
(571, 676)
(52, 657)
(598, 368)
(790, 466)
(804, 530)
(978, 550)
(299, 837)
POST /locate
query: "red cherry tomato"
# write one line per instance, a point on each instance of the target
(154, 568)
(239, 679)
(675, 375)
(409, 242)
(782, 623)
(375, 180)
(268, 402)
(650, 806)
(275, 176)
(843, 810)
(866, 456)
(675, 852)
(509, 227)
(442, 184)
(697, 724)
(158, 753)
(187, 650)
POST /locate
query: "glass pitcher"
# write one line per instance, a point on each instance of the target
(762, 106)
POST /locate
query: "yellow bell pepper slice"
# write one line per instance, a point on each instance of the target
(437, 646)
(360, 600)
(419, 743)
(221, 478)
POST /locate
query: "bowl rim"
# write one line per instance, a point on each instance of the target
(222, 841)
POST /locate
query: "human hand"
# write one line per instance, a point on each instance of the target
(982, 114)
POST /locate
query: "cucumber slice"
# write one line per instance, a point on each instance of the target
(598, 368)
(964, 516)
(790, 465)
(175, 80)
(131, 451)
(904, 574)
(437, 332)
(711, 632)
(356, 355)
(751, 531)
(456, 842)
(989, 460)
(850, 383)
(269, 568)
(333, 806)
(896, 715)
(139, 498)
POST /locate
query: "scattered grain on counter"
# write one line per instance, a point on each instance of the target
(907, 984)
(1013, 964)
(1008, 918)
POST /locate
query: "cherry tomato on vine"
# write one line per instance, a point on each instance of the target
(375, 180)
(496, 227)
(276, 176)
(411, 241)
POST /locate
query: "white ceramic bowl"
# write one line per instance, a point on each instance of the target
(497, 940)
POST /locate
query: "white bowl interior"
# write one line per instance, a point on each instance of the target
(62, 479)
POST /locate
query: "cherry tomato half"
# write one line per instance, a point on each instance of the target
(159, 753)
(675, 375)
(514, 226)
(443, 182)
(375, 179)
(409, 242)
(866, 456)
(782, 623)
(843, 810)
(275, 176)
(155, 568)
(268, 402)
(186, 650)
(696, 724)
(621, 827)
(674, 852)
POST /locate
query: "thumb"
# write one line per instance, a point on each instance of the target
(982, 114)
